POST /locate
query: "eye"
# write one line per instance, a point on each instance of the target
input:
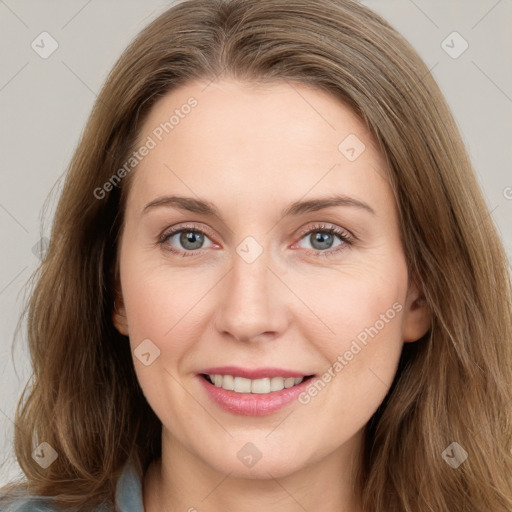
(190, 238)
(322, 237)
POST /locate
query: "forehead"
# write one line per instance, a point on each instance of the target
(243, 139)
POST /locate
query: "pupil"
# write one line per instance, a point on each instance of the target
(323, 239)
(191, 237)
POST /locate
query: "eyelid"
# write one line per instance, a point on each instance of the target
(346, 237)
(170, 232)
(185, 227)
(327, 226)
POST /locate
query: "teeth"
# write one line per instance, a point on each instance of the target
(241, 385)
(258, 386)
(276, 383)
(289, 382)
(227, 382)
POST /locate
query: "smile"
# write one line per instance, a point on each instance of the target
(259, 386)
(257, 396)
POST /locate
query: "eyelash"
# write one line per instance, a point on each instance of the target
(346, 238)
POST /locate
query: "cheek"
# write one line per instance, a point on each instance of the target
(162, 305)
(160, 299)
(345, 304)
(359, 334)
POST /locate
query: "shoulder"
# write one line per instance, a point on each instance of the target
(128, 496)
(27, 504)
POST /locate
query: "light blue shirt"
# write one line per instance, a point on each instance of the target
(129, 490)
(128, 497)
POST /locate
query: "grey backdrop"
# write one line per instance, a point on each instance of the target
(46, 97)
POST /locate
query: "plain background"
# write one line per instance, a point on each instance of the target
(44, 104)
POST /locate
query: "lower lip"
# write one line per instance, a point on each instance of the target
(253, 404)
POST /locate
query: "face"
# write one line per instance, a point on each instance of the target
(257, 287)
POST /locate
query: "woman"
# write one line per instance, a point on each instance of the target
(368, 370)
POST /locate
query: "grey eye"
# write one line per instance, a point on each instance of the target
(189, 239)
(321, 240)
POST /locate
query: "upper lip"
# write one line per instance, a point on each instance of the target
(252, 373)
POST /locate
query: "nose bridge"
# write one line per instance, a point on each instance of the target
(250, 305)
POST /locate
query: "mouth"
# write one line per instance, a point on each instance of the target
(261, 386)
(252, 392)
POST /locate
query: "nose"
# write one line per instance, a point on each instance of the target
(253, 305)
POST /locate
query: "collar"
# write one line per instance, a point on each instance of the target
(129, 490)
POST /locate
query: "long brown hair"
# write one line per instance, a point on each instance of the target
(454, 385)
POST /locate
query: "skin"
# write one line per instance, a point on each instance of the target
(252, 151)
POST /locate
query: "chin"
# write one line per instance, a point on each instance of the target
(261, 466)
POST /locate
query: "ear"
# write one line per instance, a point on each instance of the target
(119, 312)
(417, 317)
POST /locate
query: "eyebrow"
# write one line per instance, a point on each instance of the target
(204, 207)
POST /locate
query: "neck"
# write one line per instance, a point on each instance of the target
(181, 481)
